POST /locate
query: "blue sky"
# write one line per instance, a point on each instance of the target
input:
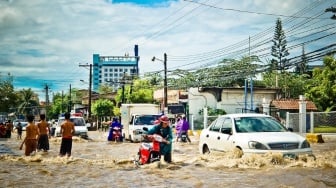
(43, 42)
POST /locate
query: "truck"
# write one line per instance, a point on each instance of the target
(136, 116)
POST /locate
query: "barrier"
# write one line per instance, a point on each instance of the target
(314, 138)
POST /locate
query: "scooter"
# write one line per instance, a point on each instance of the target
(115, 134)
(184, 137)
(149, 152)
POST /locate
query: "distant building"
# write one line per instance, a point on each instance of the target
(111, 69)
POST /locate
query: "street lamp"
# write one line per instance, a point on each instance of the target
(165, 101)
(333, 10)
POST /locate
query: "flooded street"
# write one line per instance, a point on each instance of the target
(98, 163)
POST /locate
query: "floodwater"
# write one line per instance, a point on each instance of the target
(98, 163)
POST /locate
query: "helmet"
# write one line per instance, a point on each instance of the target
(156, 122)
(164, 119)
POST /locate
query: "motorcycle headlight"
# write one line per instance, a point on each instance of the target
(305, 144)
(257, 145)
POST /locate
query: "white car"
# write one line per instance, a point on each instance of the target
(251, 133)
(80, 126)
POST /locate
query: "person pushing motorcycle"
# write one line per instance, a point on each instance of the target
(165, 131)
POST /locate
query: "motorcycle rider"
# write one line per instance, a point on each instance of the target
(165, 131)
(184, 128)
(117, 124)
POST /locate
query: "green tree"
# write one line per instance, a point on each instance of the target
(279, 48)
(291, 85)
(105, 89)
(58, 106)
(8, 97)
(103, 107)
(28, 103)
(142, 92)
(301, 67)
(227, 73)
(322, 87)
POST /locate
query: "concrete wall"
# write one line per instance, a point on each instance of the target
(232, 100)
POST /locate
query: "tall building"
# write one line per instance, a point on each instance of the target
(110, 70)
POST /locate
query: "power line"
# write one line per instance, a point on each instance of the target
(250, 12)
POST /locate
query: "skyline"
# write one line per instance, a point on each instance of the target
(43, 42)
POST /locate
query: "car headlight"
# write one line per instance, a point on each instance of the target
(305, 144)
(257, 145)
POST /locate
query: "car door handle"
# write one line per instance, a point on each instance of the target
(218, 138)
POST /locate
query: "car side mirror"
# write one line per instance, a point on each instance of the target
(226, 131)
(290, 129)
(145, 128)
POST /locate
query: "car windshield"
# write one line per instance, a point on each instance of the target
(145, 119)
(258, 124)
(76, 121)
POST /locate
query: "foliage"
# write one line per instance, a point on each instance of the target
(228, 72)
(212, 111)
(59, 105)
(140, 92)
(103, 107)
(8, 97)
(291, 85)
(279, 48)
(325, 129)
(322, 87)
(28, 104)
(105, 89)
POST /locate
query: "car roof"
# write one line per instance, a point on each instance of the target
(71, 117)
(237, 115)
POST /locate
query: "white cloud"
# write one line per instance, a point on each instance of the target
(48, 39)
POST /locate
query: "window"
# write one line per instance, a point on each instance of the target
(216, 125)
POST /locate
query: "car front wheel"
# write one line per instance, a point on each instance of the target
(205, 149)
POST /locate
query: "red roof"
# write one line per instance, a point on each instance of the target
(292, 104)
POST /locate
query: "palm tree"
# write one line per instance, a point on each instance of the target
(27, 102)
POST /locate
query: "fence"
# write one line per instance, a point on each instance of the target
(314, 121)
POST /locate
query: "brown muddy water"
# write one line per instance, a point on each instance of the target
(98, 163)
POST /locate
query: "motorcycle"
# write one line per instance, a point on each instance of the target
(184, 137)
(115, 134)
(149, 152)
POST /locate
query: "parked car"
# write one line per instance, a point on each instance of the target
(251, 133)
(80, 126)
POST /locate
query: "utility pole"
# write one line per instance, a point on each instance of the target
(90, 89)
(62, 110)
(165, 91)
(46, 88)
(165, 86)
(70, 104)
